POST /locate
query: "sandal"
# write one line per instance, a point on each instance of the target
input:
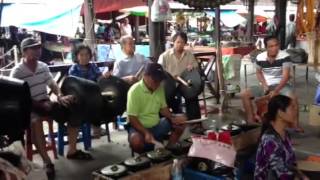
(80, 155)
(50, 171)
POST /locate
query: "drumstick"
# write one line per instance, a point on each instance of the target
(157, 144)
(139, 72)
(195, 121)
(182, 81)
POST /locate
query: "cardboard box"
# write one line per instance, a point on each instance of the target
(246, 138)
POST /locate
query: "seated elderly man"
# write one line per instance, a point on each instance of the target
(130, 63)
(146, 99)
(38, 77)
(273, 72)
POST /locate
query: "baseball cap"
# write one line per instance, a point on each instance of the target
(28, 43)
(155, 71)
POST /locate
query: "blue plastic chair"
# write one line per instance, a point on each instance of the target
(86, 137)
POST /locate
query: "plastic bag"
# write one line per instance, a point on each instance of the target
(160, 11)
(215, 150)
(34, 171)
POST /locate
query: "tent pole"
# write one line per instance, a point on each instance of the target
(219, 58)
(156, 36)
(89, 25)
(250, 21)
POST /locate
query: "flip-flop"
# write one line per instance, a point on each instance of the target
(80, 155)
(50, 171)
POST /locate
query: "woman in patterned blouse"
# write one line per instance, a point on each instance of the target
(275, 157)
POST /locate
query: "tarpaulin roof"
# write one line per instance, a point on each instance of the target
(101, 7)
(229, 18)
(55, 16)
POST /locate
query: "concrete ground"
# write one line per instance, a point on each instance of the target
(105, 153)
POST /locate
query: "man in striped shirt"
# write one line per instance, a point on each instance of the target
(273, 72)
(38, 77)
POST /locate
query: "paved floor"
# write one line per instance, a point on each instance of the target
(107, 153)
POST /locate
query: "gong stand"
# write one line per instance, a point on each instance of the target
(214, 4)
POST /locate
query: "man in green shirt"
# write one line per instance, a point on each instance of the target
(146, 99)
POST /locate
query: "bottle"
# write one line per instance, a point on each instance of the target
(176, 171)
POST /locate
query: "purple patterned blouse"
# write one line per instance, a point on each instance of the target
(275, 157)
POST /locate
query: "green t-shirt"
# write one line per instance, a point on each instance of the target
(145, 105)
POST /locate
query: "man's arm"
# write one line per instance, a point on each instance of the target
(135, 123)
(176, 120)
(166, 113)
(261, 78)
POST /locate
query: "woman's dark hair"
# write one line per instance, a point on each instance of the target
(268, 38)
(182, 35)
(77, 50)
(279, 102)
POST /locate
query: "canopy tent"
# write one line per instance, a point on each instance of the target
(229, 18)
(58, 17)
(143, 10)
(102, 7)
(260, 15)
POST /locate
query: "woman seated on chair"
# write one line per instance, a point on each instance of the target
(275, 156)
(82, 68)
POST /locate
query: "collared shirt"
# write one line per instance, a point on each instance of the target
(175, 66)
(275, 157)
(37, 81)
(127, 66)
(272, 72)
(92, 72)
(145, 105)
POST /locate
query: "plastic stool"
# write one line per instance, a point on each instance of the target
(86, 137)
(51, 145)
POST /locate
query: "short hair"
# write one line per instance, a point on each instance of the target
(80, 48)
(269, 38)
(291, 17)
(124, 39)
(183, 36)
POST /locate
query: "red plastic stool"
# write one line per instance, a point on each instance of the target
(50, 145)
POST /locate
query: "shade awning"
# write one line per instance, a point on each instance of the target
(105, 6)
(229, 18)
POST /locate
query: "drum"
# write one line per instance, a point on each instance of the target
(89, 103)
(114, 93)
(15, 106)
(195, 84)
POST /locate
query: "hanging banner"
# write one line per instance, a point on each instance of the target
(58, 17)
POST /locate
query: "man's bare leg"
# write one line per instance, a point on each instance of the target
(72, 139)
(39, 141)
(247, 104)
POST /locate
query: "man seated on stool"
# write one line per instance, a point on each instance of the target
(273, 72)
(146, 99)
(38, 77)
(130, 63)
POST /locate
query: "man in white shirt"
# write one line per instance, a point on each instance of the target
(126, 28)
(130, 63)
(38, 77)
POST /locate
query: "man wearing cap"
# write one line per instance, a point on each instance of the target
(38, 77)
(130, 63)
(146, 99)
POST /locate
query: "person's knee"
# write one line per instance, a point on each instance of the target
(136, 142)
(245, 94)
